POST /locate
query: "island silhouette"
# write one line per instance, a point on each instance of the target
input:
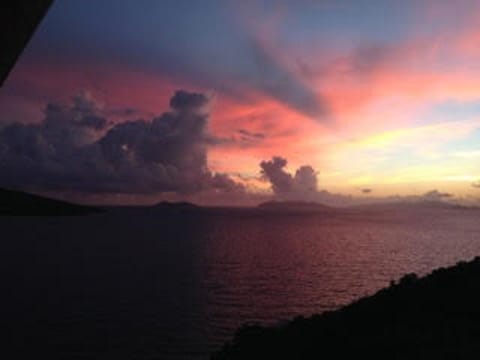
(14, 202)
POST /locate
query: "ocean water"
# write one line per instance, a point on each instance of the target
(138, 284)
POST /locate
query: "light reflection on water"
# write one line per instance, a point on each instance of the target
(148, 285)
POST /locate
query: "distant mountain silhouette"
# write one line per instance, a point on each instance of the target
(22, 203)
(434, 317)
(418, 204)
(169, 204)
(180, 206)
(293, 206)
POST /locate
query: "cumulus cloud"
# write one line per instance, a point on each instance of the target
(184, 101)
(225, 183)
(305, 180)
(435, 195)
(273, 171)
(302, 185)
(74, 148)
(328, 198)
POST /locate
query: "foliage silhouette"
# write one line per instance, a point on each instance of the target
(434, 317)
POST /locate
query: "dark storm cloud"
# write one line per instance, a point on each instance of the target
(124, 111)
(71, 149)
(184, 101)
(303, 183)
(224, 182)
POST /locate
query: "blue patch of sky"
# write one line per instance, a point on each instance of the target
(208, 30)
(346, 24)
(177, 35)
(465, 145)
(451, 110)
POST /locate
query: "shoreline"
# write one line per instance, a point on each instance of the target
(436, 316)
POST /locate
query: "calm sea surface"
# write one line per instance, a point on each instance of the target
(154, 285)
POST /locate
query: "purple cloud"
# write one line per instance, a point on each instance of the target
(74, 149)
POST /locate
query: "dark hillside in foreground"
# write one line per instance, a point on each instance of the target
(435, 317)
(21, 203)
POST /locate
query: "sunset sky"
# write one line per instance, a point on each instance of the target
(375, 98)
